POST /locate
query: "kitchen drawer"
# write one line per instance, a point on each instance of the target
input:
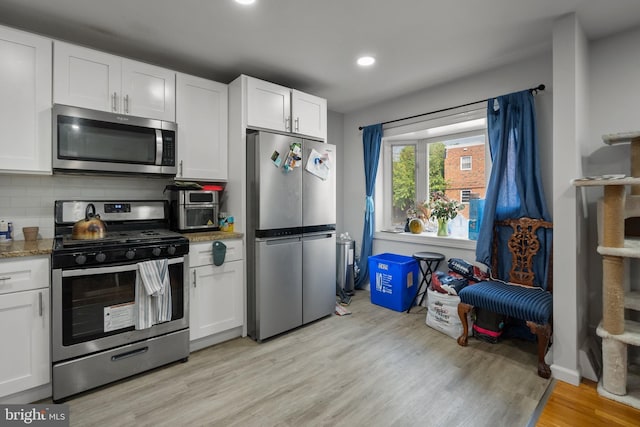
(201, 253)
(24, 274)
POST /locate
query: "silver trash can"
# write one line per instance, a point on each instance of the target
(345, 253)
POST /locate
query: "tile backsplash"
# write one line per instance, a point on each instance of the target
(28, 200)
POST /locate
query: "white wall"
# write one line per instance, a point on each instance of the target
(569, 79)
(28, 200)
(511, 78)
(335, 135)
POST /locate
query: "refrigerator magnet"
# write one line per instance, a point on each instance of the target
(276, 159)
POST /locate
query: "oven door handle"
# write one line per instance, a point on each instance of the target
(113, 269)
(129, 354)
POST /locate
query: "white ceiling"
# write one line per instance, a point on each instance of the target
(312, 45)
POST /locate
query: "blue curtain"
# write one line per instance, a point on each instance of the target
(515, 187)
(371, 140)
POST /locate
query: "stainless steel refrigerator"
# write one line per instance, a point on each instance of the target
(291, 242)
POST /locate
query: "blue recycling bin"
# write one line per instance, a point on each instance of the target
(393, 280)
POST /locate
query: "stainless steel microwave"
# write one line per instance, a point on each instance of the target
(98, 141)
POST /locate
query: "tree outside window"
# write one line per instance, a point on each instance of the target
(437, 181)
(403, 179)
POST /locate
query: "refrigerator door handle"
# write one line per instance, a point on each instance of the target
(318, 236)
(276, 241)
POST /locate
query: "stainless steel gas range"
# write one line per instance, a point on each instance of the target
(97, 295)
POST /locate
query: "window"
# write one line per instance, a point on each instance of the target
(403, 179)
(434, 155)
(465, 163)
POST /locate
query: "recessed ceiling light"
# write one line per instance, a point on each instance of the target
(245, 2)
(365, 61)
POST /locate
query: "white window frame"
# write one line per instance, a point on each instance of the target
(405, 135)
(463, 162)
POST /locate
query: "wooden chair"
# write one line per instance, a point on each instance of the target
(522, 297)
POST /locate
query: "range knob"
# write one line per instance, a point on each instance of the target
(81, 259)
(171, 250)
(100, 257)
(156, 251)
(130, 253)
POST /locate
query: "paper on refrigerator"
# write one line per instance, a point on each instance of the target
(319, 164)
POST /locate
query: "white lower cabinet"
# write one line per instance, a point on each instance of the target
(25, 360)
(216, 297)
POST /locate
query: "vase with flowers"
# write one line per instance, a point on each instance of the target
(443, 210)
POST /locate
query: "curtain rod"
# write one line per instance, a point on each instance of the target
(533, 90)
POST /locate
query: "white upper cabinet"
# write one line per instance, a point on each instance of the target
(148, 91)
(309, 114)
(88, 78)
(275, 107)
(25, 104)
(201, 114)
(268, 105)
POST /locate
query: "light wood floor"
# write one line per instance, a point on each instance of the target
(375, 367)
(570, 406)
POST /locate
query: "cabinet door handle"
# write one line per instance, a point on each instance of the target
(297, 124)
(40, 308)
(114, 98)
(286, 123)
(126, 104)
(195, 285)
(5, 278)
(180, 167)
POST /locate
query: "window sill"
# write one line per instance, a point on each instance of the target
(426, 238)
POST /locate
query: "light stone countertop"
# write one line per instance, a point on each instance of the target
(22, 248)
(209, 236)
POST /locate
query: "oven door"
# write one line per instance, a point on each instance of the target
(198, 217)
(94, 308)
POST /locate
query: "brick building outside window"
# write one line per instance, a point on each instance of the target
(464, 171)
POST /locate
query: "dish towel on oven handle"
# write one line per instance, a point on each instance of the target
(153, 293)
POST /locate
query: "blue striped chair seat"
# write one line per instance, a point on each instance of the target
(526, 303)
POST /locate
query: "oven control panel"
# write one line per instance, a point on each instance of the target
(117, 207)
(118, 255)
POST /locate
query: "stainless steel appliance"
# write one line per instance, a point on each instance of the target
(97, 141)
(291, 216)
(94, 339)
(194, 210)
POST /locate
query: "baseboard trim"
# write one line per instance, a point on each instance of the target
(590, 360)
(570, 376)
(29, 396)
(201, 343)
